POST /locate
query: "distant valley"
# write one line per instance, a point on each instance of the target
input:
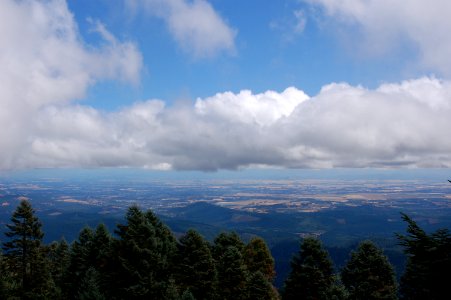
(340, 212)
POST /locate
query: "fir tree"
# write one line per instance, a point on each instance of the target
(428, 262)
(145, 250)
(368, 274)
(260, 266)
(258, 258)
(81, 259)
(59, 258)
(225, 240)
(4, 279)
(195, 266)
(232, 275)
(25, 254)
(258, 287)
(89, 288)
(311, 275)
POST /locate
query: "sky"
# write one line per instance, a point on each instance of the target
(225, 84)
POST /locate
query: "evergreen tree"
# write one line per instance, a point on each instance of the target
(428, 262)
(59, 258)
(89, 288)
(25, 254)
(81, 259)
(311, 275)
(368, 274)
(223, 241)
(195, 266)
(4, 279)
(232, 275)
(145, 251)
(260, 266)
(92, 249)
(258, 258)
(258, 287)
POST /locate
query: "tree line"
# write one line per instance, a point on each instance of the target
(143, 260)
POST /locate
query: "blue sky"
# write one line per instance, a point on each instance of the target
(225, 84)
(269, 54)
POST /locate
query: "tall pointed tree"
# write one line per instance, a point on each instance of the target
(257, 257)
(223, 241)
(81, 259)
(59, 258)
(369, 275)
(25, 254)
(311, 275)
(260, 266)
(232, 275)
(195, 268)
(428, 259)
(145, 250)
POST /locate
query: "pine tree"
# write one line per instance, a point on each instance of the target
(368, 274)
(145, 251)
(81, 259)
(259, 287)
(25, 254)
(260, 266)
(89, 288)
(232, 275)
(428, 259)
(258, 258)
(195, 266)
(4, 279)
(59, 258)
(311, 275)
(223, 241)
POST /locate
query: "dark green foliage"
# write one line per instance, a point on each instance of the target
(187, 296)
(429, 262)
(258, 287)
(59, 259)
(89, 288)
(92, 250)
(231, 275)
(258, 258)
(223, 241)
(195, 266)
(311, 274)
(145, 250)
(4, 279)
(368, 275)
(81, 259)
(260, 266)
(26, 255)
(144, 261)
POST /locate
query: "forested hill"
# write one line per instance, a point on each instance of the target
(143, 260)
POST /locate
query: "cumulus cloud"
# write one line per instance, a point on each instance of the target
(45, 62)
(384, 24)
(46, 65)
(195, 25)
(396, 125)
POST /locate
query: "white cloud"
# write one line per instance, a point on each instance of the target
(385, 24)
(396, 125)
(46, 65)
(195, 25)
(45, 62)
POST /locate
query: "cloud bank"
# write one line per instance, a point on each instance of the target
(386, 24)
(46, 66)
(395, 125)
